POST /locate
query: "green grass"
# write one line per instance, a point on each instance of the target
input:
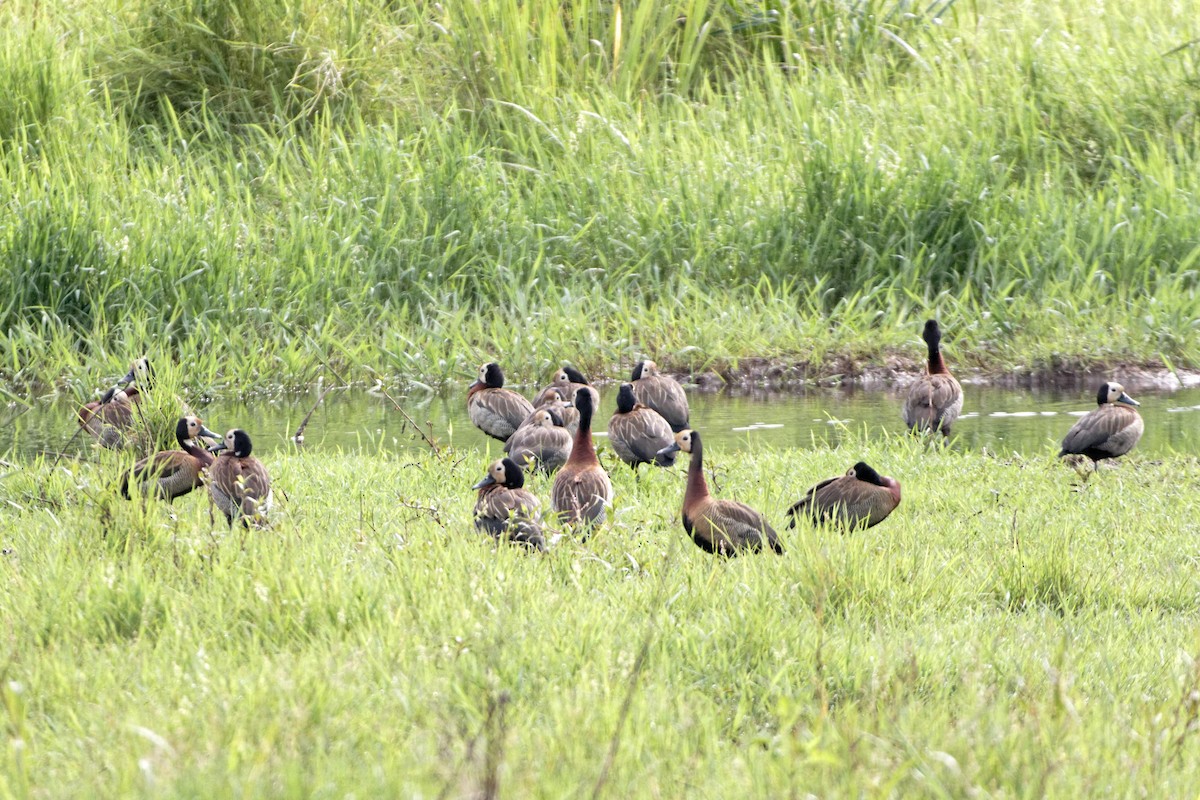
(1011, 636)
(406, 190)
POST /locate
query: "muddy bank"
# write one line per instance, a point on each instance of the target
(781, 374)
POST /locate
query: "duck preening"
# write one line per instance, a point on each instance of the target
(662, 393)
(542, 444)
(861, 497)
(568, 382)
(724, 527)
(496, 411)
(639, 434)
(238, 482)
(935, 399)
(505, 509)
(556, 401)
(1110, 431)
(581, 488)
(174, 473)
(111, 418)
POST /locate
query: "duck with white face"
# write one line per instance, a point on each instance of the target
(505, 509)
(238, 482)
(110, 419)
(1109, 431)
(661, 393)
(174, 473)
(496, 411)
(544, 444)
(723, 527)
(568, 382)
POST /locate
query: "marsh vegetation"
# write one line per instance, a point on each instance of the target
(261, 194)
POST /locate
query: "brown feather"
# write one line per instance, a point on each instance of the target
(1109, 431)
(724, 527)
(497, 412)
(935, 399)
(173, 473)
(638, 435)
(240, 487)
(511, 514)
(849, 501)
(542, 444)
(663, 394)
(582, 487)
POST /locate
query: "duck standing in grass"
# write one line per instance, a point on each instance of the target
(507, 510)
(581, 488)
(496, 411)
(1110, 431)
(935, 399)
(861, 497)
(639, 434)
(724, 527)
(111, 418)
(174, 473)
(238, 482)
(662, 393)
(543, 444)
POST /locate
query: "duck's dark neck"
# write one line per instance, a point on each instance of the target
(583, 451)
(936, 365)
(697, 488)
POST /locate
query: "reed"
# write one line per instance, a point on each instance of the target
(256, 177)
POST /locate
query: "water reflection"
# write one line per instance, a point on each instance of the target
(1004, 420)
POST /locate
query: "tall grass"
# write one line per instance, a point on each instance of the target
(278, 172)
(363, 644)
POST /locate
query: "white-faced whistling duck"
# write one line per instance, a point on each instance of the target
(1111, 430)
(110, 419)
(861, 497)
(724, 527)
(543, 444)
(639, 434)
(238, 482)
(556, 401)
(496, 411)
(582, 488)
(174, 473)
(661, 393)
(935, 399)
(569, 381)
(505, 509)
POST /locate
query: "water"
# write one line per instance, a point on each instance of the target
(1004, 420)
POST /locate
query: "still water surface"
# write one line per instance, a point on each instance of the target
(1003, 420)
